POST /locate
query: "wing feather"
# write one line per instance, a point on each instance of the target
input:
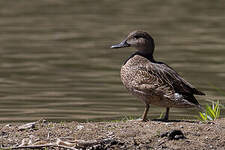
(168, 81)
(171, 77)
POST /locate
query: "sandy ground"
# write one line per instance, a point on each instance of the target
(116, 135)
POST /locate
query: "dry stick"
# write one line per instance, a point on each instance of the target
(79, 142)
(39, 146)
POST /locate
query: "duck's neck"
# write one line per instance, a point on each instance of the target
(144, 54)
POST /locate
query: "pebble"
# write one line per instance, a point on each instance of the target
(173, 135)
(79, 127)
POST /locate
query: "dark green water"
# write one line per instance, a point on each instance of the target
(55, 60)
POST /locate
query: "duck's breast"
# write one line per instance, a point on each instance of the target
(131, 74)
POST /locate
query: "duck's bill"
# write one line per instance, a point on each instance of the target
(121, 45)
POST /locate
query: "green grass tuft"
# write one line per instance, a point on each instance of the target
(211, 113)
(161, 115)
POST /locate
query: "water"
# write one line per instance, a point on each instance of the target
(55, 61)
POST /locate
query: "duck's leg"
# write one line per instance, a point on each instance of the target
(166, 117)
(144, 116)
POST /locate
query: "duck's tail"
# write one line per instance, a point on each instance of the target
(197, 92)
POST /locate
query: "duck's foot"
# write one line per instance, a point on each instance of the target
(162, 120)
(166, 117)
(144, 120)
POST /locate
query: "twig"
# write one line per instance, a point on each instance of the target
(39, 146)
(63, 144)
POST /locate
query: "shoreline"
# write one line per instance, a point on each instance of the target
(130, 134)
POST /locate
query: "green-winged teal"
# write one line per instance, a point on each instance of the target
(154, 82)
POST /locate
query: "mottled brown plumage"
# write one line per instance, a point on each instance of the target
(154, 82)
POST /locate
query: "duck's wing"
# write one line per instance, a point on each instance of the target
(163, 79)
(170, 76)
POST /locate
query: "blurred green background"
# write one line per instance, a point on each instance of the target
(55, 60)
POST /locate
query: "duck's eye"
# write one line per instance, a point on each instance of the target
(136, 37)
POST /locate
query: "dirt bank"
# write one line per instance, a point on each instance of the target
(116, 135)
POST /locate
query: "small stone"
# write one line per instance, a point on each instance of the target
(110, 134)
(3, 133)
(164, 134)
(44, 121)
(79, 127)
(173, 135)
(176, 135)
(8, 125)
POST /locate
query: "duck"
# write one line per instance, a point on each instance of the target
(154, 82)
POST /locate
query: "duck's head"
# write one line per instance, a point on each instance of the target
(141, 40)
